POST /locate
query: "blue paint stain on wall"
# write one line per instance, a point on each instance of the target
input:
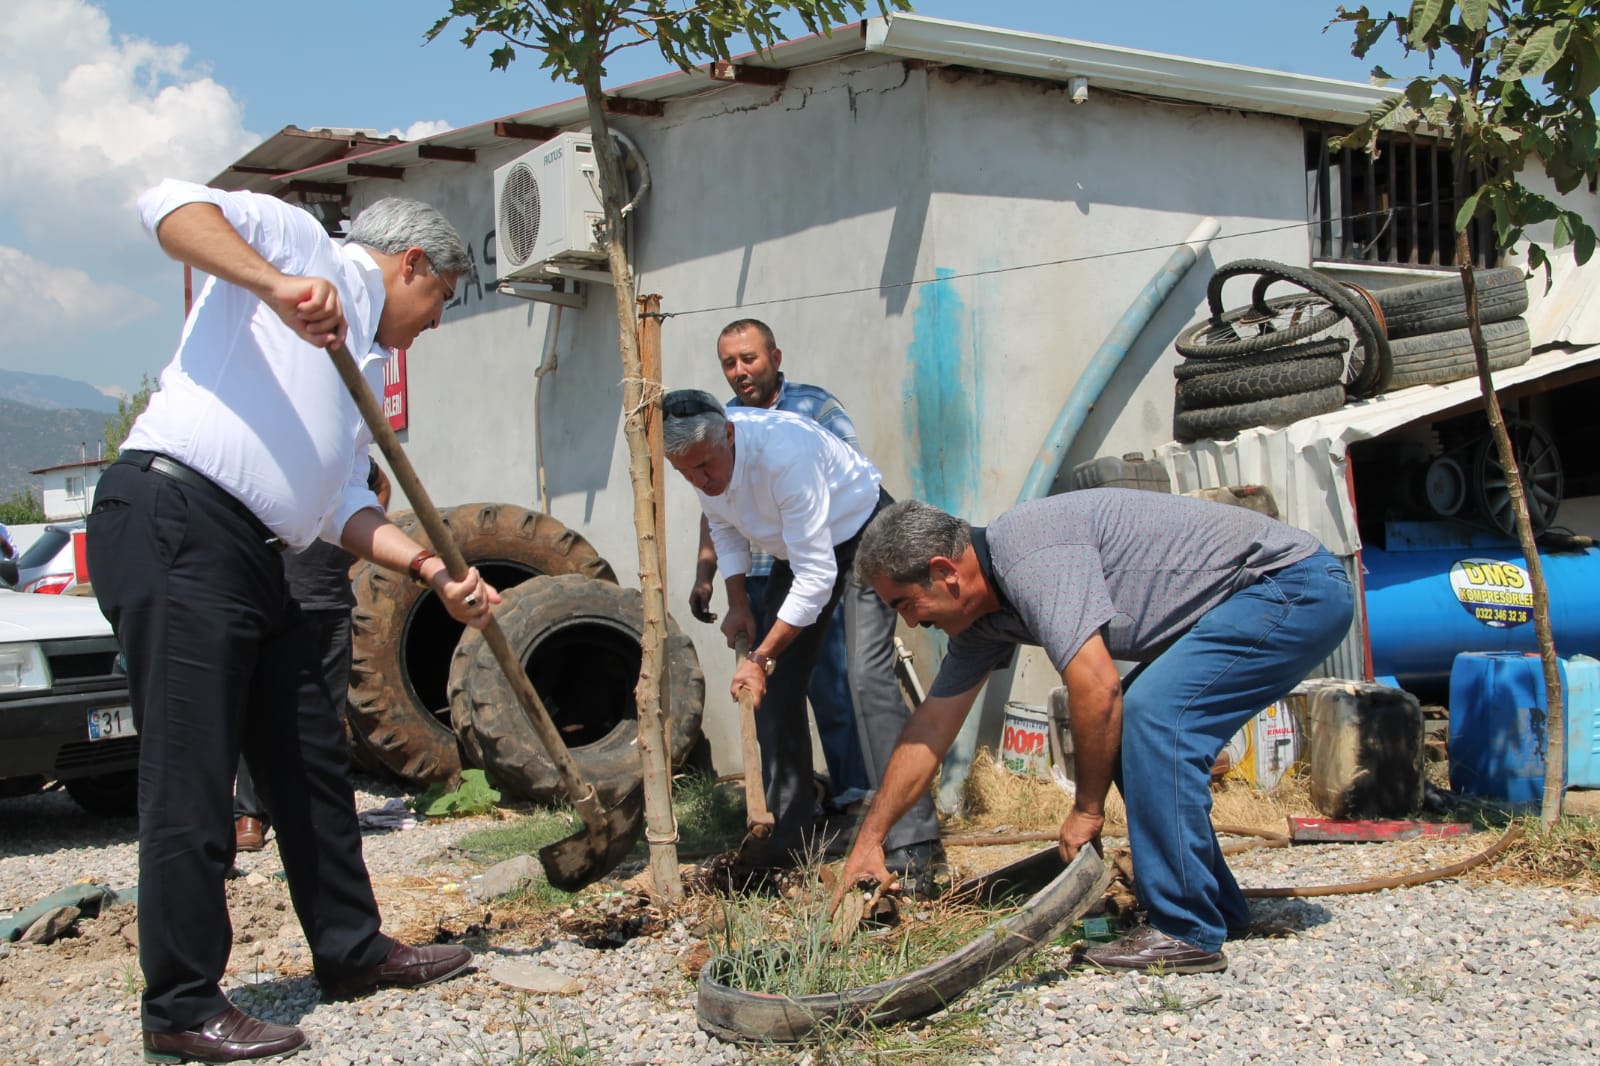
(943, 399)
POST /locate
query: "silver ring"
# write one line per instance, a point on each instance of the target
(472, 600)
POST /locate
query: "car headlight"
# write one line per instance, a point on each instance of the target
(23, 667)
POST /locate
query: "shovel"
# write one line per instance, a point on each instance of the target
(608, 835)
(758, 820)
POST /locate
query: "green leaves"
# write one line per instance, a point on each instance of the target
(575, 38)
(1424, 17)
(474, 796)
(1524, 95)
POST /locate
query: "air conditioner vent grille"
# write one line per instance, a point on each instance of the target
(519, 213)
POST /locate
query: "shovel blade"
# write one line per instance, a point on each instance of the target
(588, 855)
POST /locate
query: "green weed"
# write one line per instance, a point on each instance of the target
(474, 796)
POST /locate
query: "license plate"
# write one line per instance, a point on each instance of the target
(109, 722)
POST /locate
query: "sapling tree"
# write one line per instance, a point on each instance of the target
(574, 40)
(1511, 84)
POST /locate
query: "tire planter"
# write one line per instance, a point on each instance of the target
(737, 1015)
(1438, 306)
(1435, 358)
(1211, 422)
(403, 637)
(578, 641)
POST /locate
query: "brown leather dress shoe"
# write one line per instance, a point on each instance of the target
(406, 967)
(1149, 950)
(249, 834)
(232, 1036)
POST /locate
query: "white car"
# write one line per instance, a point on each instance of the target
(49, 563)
(65, 713)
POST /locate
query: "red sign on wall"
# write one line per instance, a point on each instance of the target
(394, 390)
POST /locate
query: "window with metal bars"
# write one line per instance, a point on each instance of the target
(1395, 207)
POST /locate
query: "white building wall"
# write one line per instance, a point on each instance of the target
(811, 206)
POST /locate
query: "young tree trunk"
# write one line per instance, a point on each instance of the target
(641, 406)
(1555, 730)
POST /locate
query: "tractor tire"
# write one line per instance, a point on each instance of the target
(578, 642)
(1435, 358)
(1215, 422)
(1439, 306)
(403, 636)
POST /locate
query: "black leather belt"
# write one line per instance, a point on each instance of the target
(170, 468)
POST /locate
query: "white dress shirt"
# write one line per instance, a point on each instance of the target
(248, 403)
(796, 491)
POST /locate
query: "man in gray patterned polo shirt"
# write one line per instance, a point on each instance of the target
(1224, 610)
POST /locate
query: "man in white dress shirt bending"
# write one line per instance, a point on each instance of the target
(780, 483)
(253, 445)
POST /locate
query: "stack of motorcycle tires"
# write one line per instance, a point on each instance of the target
(1278, 358)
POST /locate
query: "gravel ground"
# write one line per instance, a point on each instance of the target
(1451, 972)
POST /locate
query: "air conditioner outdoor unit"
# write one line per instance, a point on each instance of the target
(546, 207)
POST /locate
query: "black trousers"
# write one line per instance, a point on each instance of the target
(330, 629)
(221, 660)
(880, 710)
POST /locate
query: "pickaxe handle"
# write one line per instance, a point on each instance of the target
(758, 819)
(578, 789)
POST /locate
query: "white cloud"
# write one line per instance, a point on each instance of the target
(418, 130)
(91, 120)
(39, 302)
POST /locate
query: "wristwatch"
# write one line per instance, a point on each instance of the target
(766, 662)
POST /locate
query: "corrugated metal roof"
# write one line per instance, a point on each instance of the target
(292, 149)
(935, 41)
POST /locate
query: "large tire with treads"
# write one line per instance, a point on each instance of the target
(578, 642)
(1270, 374)
(1435, 358)
(1211, 422)
(403, 636)
(1438, 306)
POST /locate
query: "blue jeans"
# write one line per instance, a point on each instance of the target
(1182, 708)
(829, 693)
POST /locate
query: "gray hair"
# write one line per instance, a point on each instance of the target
(688, 417)
(901, 540)
(392, 225)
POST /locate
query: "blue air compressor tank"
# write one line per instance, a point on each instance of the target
(1424, 607)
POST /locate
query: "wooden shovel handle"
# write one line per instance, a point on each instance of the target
(578, 789)
(755, 792)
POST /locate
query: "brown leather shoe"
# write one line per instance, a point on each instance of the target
(1149, 950)
(232, 1036)
(249, 834)
(406, 967)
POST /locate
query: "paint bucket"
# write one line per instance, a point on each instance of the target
(1025, 743)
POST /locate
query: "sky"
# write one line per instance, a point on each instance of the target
(104, 98)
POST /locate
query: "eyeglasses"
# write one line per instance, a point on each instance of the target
(448, 286)
(686, 403)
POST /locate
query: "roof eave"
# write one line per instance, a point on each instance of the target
(1122, 69)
